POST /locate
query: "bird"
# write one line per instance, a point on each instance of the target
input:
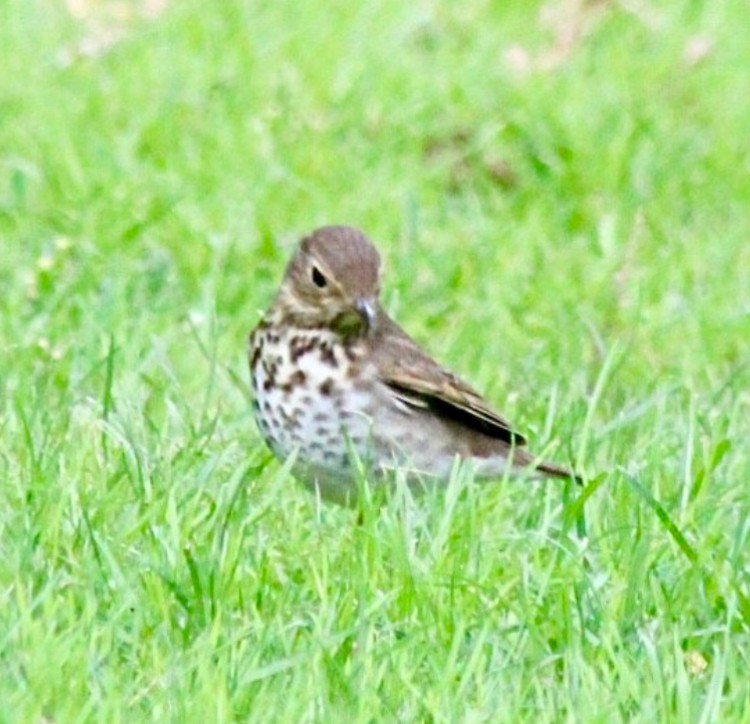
(340, 387)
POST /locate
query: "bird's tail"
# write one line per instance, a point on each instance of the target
(524, 458)
(558, 471)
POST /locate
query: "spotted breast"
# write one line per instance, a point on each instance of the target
(306, 397)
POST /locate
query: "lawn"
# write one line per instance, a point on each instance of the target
(561, 194)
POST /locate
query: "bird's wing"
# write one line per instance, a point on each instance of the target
(419, 381)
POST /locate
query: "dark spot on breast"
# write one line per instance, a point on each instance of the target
(300, 346)
(258, 332)
(327, 355)
(255, 356)
(270, 369)
(298, 378)
(340, 461)
(326, 387)
(290, 417)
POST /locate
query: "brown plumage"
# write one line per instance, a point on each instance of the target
(333, 372)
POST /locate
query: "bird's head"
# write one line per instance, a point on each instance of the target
(333, 281)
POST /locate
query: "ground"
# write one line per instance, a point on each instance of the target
(561, 196)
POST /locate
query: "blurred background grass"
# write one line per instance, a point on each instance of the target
(558, 189)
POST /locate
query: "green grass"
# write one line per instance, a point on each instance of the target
(572, 238)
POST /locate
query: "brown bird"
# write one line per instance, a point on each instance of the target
(333, 374)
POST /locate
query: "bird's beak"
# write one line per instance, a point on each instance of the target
(366, 310)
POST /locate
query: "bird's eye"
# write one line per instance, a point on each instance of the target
(318, 279)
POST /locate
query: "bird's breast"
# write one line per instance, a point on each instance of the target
(309, 396)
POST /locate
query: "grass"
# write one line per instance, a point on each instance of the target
(564, 223)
